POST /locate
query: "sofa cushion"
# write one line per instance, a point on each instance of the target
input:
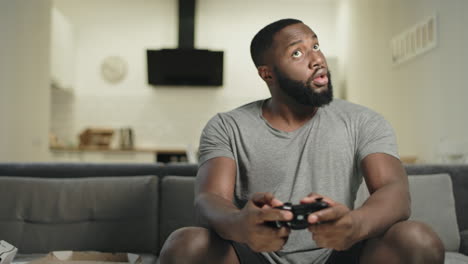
(432, 202)
(459, 176)
(114, 214)
(177, 197)
(455, 258)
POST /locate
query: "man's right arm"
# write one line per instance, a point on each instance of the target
(215, 209)
(214, 191)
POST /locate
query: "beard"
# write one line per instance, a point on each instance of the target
(303, 92)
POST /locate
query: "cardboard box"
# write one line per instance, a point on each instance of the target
(87, 257)
(96, 138)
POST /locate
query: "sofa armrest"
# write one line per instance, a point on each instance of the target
(464, 242)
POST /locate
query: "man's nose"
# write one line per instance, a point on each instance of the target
(316, 60)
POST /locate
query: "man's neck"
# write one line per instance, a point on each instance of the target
(287, 116)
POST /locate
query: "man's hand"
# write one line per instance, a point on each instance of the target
(255, 233)
(334, 227)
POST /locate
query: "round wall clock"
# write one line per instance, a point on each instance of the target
(114, 69)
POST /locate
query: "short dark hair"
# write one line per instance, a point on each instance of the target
(264, 39)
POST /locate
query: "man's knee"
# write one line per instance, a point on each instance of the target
(196, 245)
(416, 239)
(184, 243)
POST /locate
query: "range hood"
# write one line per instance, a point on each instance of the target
(185, 66)
(186, 24)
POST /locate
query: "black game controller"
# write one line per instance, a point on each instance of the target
(300, 213)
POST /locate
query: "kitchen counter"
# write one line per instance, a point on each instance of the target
(100, 154)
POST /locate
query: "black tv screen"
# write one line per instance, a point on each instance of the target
(185, 67)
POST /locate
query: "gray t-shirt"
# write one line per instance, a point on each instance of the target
(322, 156)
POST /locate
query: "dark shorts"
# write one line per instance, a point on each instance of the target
(350, 256)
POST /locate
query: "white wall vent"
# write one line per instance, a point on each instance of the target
(414, 41)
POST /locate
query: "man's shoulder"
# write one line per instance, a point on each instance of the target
(244, 111)
(249, 111)
(343, 105)
(351, 110)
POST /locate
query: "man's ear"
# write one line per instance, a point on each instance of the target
(265, 73)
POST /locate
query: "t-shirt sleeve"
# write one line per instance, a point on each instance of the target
(376, 135)
(215, 141)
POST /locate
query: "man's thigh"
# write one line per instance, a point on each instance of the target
(405, 242)
(197, 245)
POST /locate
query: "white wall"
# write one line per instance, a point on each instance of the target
(62, 57)
(423, 98)
(173, 117)
(24, 80)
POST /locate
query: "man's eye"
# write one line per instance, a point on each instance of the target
(297, 54)
(316, 47)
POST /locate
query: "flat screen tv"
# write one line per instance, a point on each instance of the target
(180, 67)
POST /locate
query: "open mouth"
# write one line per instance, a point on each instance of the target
(321, 80)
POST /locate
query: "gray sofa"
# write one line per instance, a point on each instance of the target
(134, 207)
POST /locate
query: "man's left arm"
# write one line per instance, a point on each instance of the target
(339, 228)
(386, 180)
(389, 201)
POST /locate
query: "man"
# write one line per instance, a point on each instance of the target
(297, 146)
